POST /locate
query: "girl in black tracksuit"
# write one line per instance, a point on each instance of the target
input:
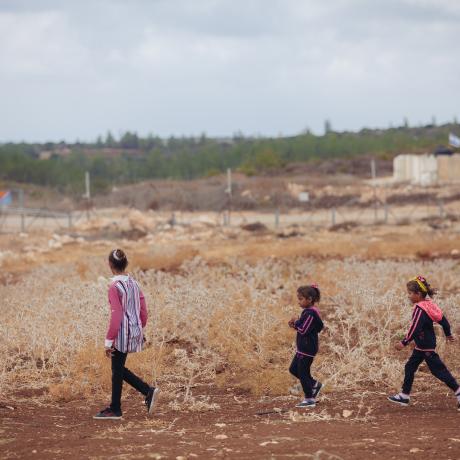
(421, 331)
(308, 326)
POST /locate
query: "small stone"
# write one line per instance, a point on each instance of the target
(346, 413)
(266, 443)
(221, 436)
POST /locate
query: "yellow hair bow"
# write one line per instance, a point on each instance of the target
(418, 279)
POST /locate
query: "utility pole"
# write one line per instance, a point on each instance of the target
(87, 186)
(228, 191)
(21, 206)
(374, 185)
(87, 194)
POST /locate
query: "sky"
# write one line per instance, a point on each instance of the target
(75, 69)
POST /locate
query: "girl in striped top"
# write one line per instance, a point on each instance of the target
(308, 326)
(125, 334)
(421, 331)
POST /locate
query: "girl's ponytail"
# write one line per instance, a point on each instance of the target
(420, 284)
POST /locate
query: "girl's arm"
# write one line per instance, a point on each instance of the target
(116, 316)
(415, 325)
(304, 324)
(144, 313)
(319, 324)
(445, 326)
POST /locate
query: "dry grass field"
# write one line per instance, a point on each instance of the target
(219, 346)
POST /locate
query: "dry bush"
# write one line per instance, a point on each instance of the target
(167, 259)
(224, 323)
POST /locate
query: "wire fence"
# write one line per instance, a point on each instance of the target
(21, 219)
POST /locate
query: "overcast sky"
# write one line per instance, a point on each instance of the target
(76, 69)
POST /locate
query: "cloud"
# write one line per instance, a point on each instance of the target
(260, 66)
(36, 44)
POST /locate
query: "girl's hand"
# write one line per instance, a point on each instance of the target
(450, 338)
(292, 321)
(399, 346)
(109, 351)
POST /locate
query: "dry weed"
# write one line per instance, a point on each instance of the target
(219, 322)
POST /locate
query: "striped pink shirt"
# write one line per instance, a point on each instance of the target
(128, 315)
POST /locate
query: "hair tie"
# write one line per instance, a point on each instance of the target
(420, 280)
(315, 286)
(114, 254)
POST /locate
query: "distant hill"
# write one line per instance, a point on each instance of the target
(132, 159)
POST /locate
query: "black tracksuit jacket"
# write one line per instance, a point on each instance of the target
(308, 326)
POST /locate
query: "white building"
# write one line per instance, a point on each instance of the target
(426, 169)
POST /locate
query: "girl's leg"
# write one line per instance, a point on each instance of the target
(410, 369)
(293, 367)
(135, 382)
(118, 366)
(440, 371)
(303, 369)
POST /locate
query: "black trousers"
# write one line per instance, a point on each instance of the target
(120, 373)
(436, 366)
(300, 368)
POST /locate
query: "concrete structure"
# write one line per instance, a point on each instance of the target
(417, 169)
(449, 168)
(426, 169)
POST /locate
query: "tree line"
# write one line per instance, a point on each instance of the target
(131, 158)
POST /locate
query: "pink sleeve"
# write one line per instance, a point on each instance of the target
(116, 313)
(144, 314)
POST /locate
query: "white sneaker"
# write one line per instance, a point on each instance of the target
(307, 403)
(150, 399)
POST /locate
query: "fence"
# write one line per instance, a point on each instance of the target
(371, 215)
(16, 219)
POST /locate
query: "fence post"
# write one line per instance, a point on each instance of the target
(333, 216)
(386, 212)
(21, 205)
(69, 216)
(277, 218)
(441, 209)
(226, 216)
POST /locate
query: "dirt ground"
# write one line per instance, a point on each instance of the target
(342, 426)
(242, 428)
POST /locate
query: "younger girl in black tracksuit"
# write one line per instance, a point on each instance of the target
(422, 332)
(308, 325)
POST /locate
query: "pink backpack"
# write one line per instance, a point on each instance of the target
(431, 309)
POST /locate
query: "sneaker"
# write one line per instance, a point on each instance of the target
(317, 389)
(398, 399)
(306, 403)
(150, 399)
(458, 406)
(108, 414)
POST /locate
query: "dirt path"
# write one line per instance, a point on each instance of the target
(242, 428)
